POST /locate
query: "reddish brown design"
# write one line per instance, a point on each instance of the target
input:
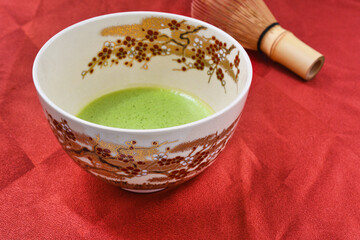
(159, 165)
(155, 36)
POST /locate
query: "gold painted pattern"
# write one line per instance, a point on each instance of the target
(156, 37)
(162, 165)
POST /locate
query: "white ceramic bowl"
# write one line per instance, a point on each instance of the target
(116, 51)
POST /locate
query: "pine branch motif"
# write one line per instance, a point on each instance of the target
(118, 163)
(156, 37)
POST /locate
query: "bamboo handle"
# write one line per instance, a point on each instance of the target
(285, 48)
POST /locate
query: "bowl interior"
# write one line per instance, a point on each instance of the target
(112, 52)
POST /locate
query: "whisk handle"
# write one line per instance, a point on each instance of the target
(262, 35)
(285, 48)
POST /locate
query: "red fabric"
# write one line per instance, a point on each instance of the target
(291, 170)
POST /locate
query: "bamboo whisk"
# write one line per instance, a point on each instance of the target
(254, 26)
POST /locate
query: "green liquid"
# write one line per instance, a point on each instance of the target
(145, 108)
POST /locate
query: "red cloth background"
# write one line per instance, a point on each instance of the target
(291, 170)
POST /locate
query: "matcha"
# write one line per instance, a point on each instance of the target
(145, 108)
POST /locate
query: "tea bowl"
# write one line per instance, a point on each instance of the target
(116, 51)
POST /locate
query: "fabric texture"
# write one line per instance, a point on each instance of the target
(291, 170)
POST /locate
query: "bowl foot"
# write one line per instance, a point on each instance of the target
(143, 191)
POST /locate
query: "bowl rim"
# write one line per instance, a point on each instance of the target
(241, 95)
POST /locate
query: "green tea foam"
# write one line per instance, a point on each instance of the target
(145, 108)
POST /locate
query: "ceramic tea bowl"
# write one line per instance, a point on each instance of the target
(116, 51)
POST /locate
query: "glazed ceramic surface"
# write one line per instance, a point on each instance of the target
(112, 52)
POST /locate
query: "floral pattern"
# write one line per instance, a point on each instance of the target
(155, 36)
(159, 164)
